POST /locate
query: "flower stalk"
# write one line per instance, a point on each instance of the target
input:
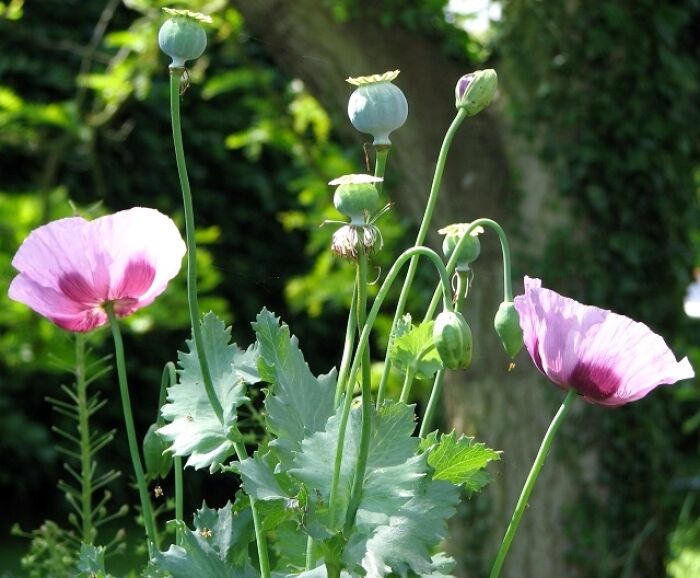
(530, 483)
(192, 299)
(146, 508)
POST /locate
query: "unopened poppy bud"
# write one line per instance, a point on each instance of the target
(453, 340)
(356, 197)
(158, 463)
(471, 247)
(182, 36)
(507, 325)
(377, 106)
(475, 91)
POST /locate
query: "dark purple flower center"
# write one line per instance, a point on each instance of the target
(596, 382)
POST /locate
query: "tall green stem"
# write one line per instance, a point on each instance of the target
(146, 509)
(380, 165)
(260, 538)
(530, 483)
(349, 343)
(175, 78)
(362, 343)
(167, 380)
(86, 463)
(366, 427)
(420, 239)
(433, 403)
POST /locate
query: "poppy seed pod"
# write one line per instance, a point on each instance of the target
(182, 37)
(507, 326)
(453, 340)
(356, 197)
(475, 91)
(471, 247)
(377, 106)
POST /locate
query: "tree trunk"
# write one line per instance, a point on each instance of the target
(509, 411)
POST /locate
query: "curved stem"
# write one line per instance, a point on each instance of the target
(530, 483)
(420, 239)
(452, 263)
(146, 509)
(85, 446)
(260, 538)
(433, 403)
(407, 382)
(175, 77)
(364, 337)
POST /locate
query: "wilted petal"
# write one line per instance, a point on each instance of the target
(608, 358)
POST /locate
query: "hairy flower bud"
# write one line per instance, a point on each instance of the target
(356, 197)
(158, 463)
(475, 91)
(182, 37)
(507, 325)
(453, 340)
(377, 106)
(471, 247)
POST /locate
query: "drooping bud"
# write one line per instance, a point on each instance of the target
(471, 247)
(182, 36)
(352, 240)
(158, 463)
(507, 325)
(453, 340)
(377, 106)
(475, 91)
(357, 197)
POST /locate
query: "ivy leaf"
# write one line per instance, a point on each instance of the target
(216, 548)
(459, 460)
(393, 471)
(195, 430)
(405, 543)
(413, 346)
(299, 404)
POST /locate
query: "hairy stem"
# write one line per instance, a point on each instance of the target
(86, 461)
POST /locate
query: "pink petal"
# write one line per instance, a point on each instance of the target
(608, 358)
(69, 268)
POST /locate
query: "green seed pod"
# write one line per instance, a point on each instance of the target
(157, 462)
(471, 248)
(507, 325)
(377, 106)
(453, 340)
(356, 197)
(475, 91)
(182, 37)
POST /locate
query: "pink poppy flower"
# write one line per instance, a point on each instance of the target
(608, 358)
(70, 268)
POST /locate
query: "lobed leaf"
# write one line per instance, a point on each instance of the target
(298, 404)
(194, 429)
(414, 346)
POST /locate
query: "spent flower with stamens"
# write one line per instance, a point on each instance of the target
(70, 269)
(352, 240)
(607, 358)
